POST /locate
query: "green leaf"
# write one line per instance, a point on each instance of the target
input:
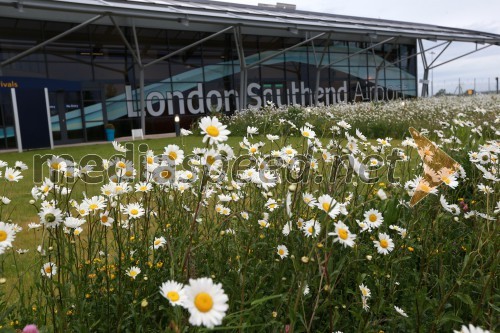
(449, 316)
(265, 299)
(464, 298)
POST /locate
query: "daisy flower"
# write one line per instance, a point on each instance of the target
(244, 215)
(307, 132)
(173, 292)
(286, 228)
(105, 219)
(365, 292)
(373, 218)
(344, 124)
(309, 199)
(343, 235)
(185, 132)
(173, 154)
(73, 222)
(471, 329)
(50, 217)
(133, 272)
(385, 244)
(133, 210)
(49, 270)
(449, 178)
(143, 187)
(252, 130)
(282, 251)
(329, 205)
(7, 235)
(206, 302)
(95, 203)
(400, 311)
(311, 228)
(119, 147)
(213, 129)
(12, 175)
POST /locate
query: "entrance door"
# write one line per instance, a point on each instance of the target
(66, 117)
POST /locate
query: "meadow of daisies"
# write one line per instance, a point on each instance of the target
(289, 219)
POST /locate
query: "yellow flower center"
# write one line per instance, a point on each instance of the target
(172, 155)
(212, 131)
(3, 235)
(134, 211)
(133, 273)
(306, 134)
(446, 180)
(150, 160)
(310, 229)
(173, 296)
(203, 302)
(364, 292)
(11, 176)
(424, 187)
(104, 219)
(253, 149)
(56, 165)
(157, 242)
(121, 165)
(326, 206)
(343, 234)
(384, 243)
(210, 160)
(48, 269)
(129, 173)
(165, 174)
(143, 188)
(92, 206)
(281, 252)
(372, 218)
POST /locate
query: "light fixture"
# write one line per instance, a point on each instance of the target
(177, 125)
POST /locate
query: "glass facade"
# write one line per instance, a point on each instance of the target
(93, 80)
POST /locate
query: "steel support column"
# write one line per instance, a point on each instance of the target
(243, 68)
(141, 81)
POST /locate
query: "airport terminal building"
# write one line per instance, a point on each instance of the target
(70, 67)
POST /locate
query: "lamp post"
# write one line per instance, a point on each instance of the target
(497, 84)
(177, 125)
(432, 74)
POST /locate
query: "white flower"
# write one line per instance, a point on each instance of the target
(307, 132)
(311, 228)
(385, 244)
(50, 216)
(213, 129)
(365, 292)
(282, 251)
(343, 235)
(400, 311)
(49, 269)
(119, 147)
(329, 205)
(7, 235)
(173, 154)
(12, 175)
(133, 210)
(159, 242)
(133, 272)
(252, 130)
(173, 292)
(471, 329)
(206, 302)
(185, 132)
(73, 222)
(286, 228)
(373, 218)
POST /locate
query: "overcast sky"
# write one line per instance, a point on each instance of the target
(480, 15)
